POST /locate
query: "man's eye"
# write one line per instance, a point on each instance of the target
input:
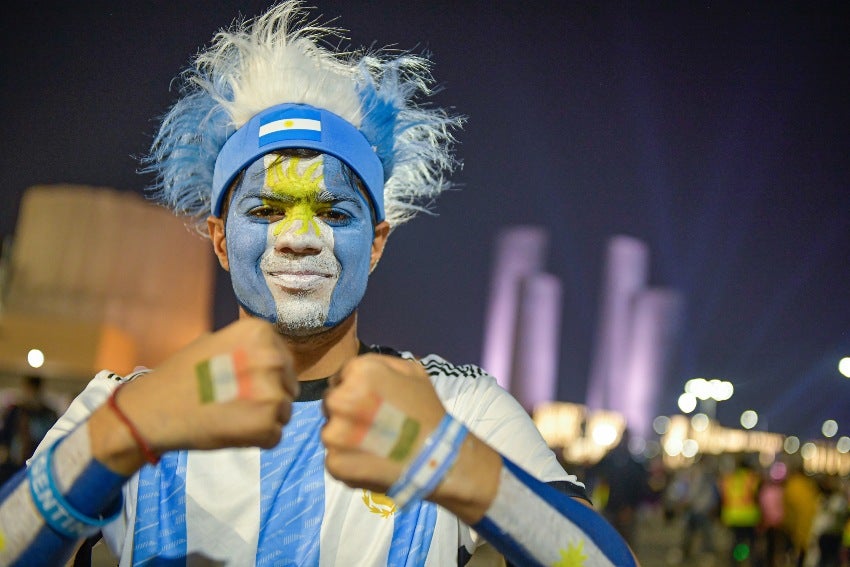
(266, 212)
(333, 216)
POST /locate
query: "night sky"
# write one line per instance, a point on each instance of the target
(718, 134)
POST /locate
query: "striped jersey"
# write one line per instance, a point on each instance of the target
(279, 507)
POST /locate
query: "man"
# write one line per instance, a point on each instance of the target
(282, 439)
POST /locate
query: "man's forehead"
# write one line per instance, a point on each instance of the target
(279, 170)
(297, 163)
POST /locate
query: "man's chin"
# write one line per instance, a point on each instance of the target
(299, 330)
(301, 322)
(307, 329)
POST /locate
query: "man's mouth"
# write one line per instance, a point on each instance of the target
(298, 280)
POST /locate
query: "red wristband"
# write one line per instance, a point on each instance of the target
(150, 456)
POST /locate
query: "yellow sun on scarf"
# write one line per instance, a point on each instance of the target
(300, 192)
(573, 556)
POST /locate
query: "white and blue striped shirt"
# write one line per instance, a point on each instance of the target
(280, 507)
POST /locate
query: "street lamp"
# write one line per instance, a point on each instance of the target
(709, 392)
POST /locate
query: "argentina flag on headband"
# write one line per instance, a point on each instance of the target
(290, 124)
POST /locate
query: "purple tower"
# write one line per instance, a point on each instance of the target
(520, 251)
(637, 327)
(534, 375)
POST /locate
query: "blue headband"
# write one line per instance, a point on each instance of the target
(298, 126)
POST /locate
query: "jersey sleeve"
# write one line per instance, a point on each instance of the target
(64, 495)
(93, 396)
(474, 397)
(550, 527)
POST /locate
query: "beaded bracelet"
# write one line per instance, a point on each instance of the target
(148, 453)
(428, 468)
(57, 512)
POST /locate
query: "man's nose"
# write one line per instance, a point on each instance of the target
(299, 237)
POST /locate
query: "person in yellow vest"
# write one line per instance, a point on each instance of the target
(740, 511)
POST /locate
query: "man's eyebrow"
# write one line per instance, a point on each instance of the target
(269, 196)
(323, 196)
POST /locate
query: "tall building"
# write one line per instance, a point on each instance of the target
(636, 333)
(522, 327)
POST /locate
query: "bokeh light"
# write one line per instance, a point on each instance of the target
(673, 447)
(778, 471)
(791, 444)
(829, 428)
(844, 366)
(690, 448)
(808, 450)
(35, 358)
(713, 389)
(749, 419)
(637, 446)
(653, 448)
(741, 552)
(699, 422)
(687, 402)
(604, 434)
(660, 424)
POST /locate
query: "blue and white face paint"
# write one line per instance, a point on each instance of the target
(299, 238)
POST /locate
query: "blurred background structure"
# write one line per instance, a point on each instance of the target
(96, 278)
(635, 337)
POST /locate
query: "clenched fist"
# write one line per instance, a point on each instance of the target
(232, 388)
(380, 409)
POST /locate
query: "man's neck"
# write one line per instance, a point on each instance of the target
(320, 355)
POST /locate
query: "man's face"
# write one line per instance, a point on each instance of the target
(299, 239)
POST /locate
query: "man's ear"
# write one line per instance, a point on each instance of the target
(382, 232)
(215, 226)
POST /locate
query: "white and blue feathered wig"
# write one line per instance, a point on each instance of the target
(273, 64)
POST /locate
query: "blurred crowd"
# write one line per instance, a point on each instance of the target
(728, 509)
(24, 421)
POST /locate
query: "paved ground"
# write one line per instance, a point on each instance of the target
(657, 544)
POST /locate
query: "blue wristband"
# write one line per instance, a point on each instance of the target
(459, 434)
(431, 464)
(52, 505)
(406, 477)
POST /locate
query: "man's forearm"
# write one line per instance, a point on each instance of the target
(531, 523)
(62, 497)
(527, 520)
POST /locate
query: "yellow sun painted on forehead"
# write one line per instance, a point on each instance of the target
(299, 191)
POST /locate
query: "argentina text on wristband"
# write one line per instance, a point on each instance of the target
(52, 505)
